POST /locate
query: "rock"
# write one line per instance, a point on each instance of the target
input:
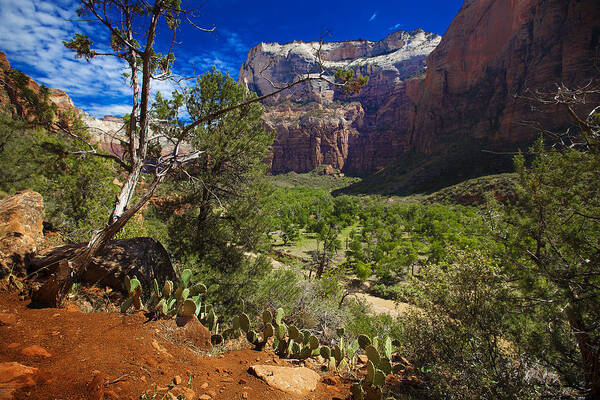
(95, 388)
(204, 397)
(316, 124)
(298, 381)
(36, 351)
(493, 56)
(332, 380)
(15, 376)
(177, 380)
(186, 393)
(142, 257)
(160, 349)
(204, 385)
(21, 230)
(7, 319)
(431, 106)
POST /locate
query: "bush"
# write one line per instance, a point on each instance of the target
(460, 337)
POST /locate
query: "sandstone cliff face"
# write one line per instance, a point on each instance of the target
(496, 53)
(358, 133)
(471, 93)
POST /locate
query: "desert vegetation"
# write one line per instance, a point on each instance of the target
(499, 276)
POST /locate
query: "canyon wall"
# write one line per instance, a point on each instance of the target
(493, 58)
(470, 91)
(318, 124)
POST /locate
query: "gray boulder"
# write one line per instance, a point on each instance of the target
(142, 257)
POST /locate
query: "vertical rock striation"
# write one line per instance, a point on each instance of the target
(316, 124)
(493, 57)
(472, 92)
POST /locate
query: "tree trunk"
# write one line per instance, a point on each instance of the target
(55, 289)
(590, 354)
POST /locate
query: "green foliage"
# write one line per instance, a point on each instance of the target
(77, 190)
(362, 270)
(224, 216)
(552, 234)
(352, 83)
(459, 338)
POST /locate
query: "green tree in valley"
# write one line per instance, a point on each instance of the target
(553, 242)
(221, 193)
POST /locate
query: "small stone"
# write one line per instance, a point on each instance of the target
(331, 380)
(95, 389)
(110, 394)
(177, 380)
(204, 397)
(243, 381)
(36, 351)
(13, 345)
(204, 385)
(7, 319)
(244, 395)
(143, 379)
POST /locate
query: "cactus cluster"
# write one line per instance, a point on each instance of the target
(167, 301)
(379, 365)
(286, 341)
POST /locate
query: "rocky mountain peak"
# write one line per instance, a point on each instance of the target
(399, 56)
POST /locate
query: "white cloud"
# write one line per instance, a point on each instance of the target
(373, 16)
(100, 110)
(31, 34)
(394, 27)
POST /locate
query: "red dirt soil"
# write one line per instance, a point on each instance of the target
(128, 347)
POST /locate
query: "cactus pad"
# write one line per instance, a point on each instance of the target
(363, 341)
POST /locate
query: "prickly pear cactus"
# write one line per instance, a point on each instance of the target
(216, 339)
(373, 354)
(244, 322)
(186, 276)
(188, 308)
(279, 316)
(134, 289)
(363, 341)
(267, 317)
(313, 342)
(387, 347)
(357, 391)
(325, 352)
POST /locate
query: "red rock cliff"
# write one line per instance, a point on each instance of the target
(493, 55)
(358, 133)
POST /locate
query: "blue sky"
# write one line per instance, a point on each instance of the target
(31, 34)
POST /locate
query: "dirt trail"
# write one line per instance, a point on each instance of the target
(383, 306)
(129, 349)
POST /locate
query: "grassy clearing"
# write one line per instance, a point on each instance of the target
(312, 180)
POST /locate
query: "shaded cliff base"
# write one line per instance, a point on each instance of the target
(414, 172)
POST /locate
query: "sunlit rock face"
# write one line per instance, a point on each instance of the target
(317, 124)
(427, 95)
